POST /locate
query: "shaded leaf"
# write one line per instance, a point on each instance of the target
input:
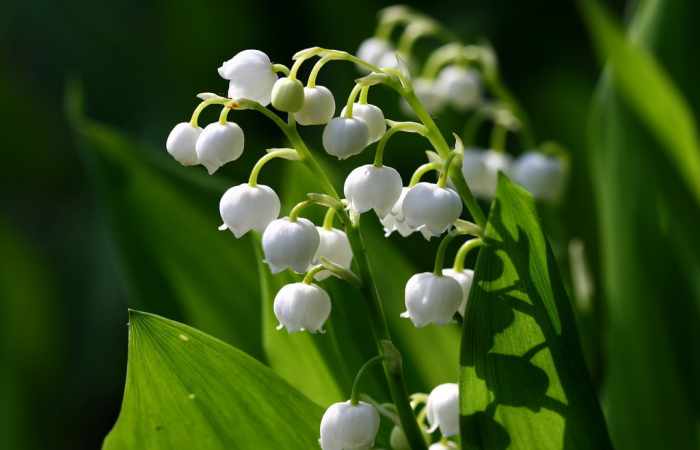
(524, 382)
(187, 390)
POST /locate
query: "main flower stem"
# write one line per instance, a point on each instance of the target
(393, 368)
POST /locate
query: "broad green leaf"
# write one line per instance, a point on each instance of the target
(648, 90)
(649, 248)
(524, 383)
(164, 220)
(187, 390)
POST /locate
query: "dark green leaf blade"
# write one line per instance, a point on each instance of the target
(187, 390)
(524, 383)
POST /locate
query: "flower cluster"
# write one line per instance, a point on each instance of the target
(455, 75)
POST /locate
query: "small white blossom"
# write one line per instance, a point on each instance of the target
(301, 306)
(464, 278)
(335, 247)
(542, 175)
(459, 86)
(344, 137)
(245, 207)
(345, 426)
(496, 162)
(480, 170)
(219, 144)
(448, 445)
(251, 76)
(373, 117)
(374, 50)
(431, 209)
(288, 95)
(290, 244)
(443, 409)
(370, 187)
(431, 298)
(182, 142)
(395, 220)
(319, 106)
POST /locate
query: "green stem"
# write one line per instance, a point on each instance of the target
(409, 127)
(351, 99)
(363, 95)
(442, 180)
(499, 134)
(198, 110)
(463, 251)
(309, 277)
(223, 116)
(422, 170)
(298, 208)
(280, 68)
(311, 82)
(355, 393)
(328, 219)
(440, 144)
(440, 255)
(286, 153)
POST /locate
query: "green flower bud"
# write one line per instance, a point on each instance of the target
(398, 440)
(288, 95)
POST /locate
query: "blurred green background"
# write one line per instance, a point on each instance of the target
(63, 283)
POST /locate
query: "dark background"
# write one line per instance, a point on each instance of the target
(140, 64)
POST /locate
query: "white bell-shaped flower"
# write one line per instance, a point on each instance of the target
(345, 426)
(373, 50)
(431, 209)
(427, 92)
(344, 137)
(395, 220)
(474, 171)
(290, 244)
(319, 106)
(459, 86)
(495, 162)
(431, 298)
(219, 144)
(443, 409)
(251, 76)
(182, 142)
(302, 307)
(370, 187)
(245, 207)
(335, 247)
(288, 95)
(464, 278)
(373, 117)
(540, 174)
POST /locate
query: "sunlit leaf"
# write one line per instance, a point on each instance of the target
(187, 390)
(524, 383)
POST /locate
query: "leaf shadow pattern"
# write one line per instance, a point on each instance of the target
(524, 385)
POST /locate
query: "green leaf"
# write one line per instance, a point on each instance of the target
(648, 89)
(187, 390)
(524, 383)
(649, 248)
(164, 220)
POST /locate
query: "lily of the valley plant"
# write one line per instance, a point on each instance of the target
(454, 76)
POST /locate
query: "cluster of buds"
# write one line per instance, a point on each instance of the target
(455, 75)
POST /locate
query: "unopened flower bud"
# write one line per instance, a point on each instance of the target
(344, 137)
(474, 171)
(373, 117)
(290, 244)
(398, 439)
(301, 306)
(319, 106)
(345, 426)
(245, 207)
(431, 298)
(464, 278)
(335, 247)
(495, 162)
(370, 187)
(182, 142)
(288, 95)
(251, 76)
(431, 209)
(395, 220)
(443, 409)
(373, 50)
(459, 86)
(542, 175)
(219, 144)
